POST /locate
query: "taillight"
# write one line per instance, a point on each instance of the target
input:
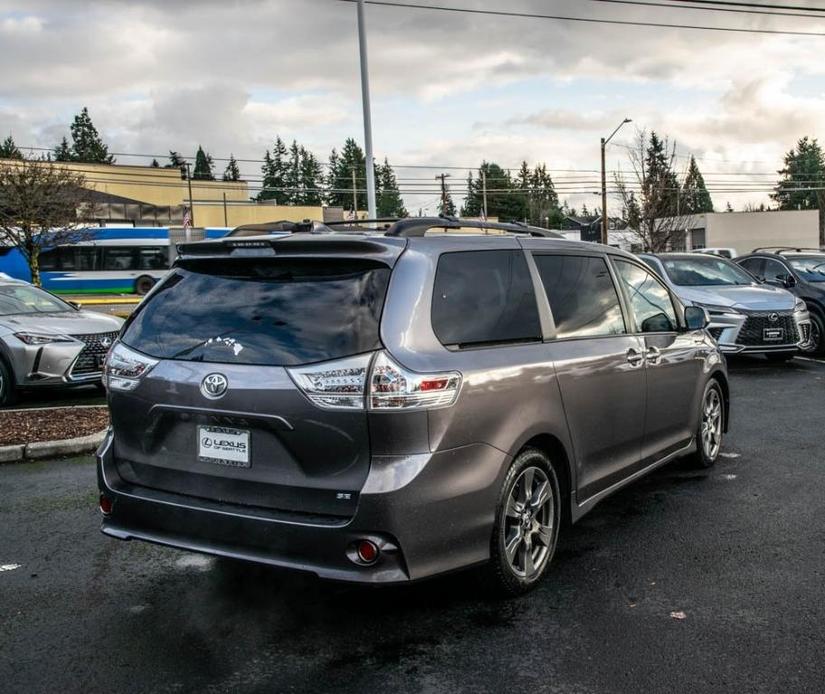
(335, 385)
(124, 367)
(342, 384)
(392, 387)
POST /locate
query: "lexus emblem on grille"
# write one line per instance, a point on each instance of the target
(106, 342)
(773, 317)
(214, 386)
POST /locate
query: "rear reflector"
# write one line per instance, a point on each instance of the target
(367, 551)
(105, 505)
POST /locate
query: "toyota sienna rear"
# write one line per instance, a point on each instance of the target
(385, 406)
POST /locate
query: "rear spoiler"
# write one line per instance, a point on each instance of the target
(385, 250)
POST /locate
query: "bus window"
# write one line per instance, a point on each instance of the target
(153, 258)
(50, 259)
(72, 258)
(118, 258)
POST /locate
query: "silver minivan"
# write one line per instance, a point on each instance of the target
(386, 405)
(746, 315)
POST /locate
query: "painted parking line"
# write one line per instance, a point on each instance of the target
(9, 567)
(816, 361)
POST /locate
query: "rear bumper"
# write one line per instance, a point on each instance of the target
(429, 513)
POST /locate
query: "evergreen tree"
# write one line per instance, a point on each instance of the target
(339, 181)
(155, 164)
(503, 202)
(311, 176)
(232, 172)
(274, 174)
(389, 202)
(543, 201)
(9, 150)
(660, 186)
(63, 152)
(176, 161)
(695, 196)
(804, 171)
(87, 146)
(632, 213)
(292, 178)
(203, 166)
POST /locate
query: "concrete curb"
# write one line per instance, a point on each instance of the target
(51, 449)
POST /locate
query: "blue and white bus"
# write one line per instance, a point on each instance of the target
(107, 261)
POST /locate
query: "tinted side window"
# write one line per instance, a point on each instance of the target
(754, 266)
(152, 258)
(582, 296)
(773, 269)
(649, 299)
(50, 260)
(484, 297)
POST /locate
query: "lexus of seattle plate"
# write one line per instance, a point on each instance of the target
(223, 446)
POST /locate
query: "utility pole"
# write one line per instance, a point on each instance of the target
(189, 182)
(604, 142)
(225, 218)
(354, 196)
(484, 193)
(443, 178)
(365, 100)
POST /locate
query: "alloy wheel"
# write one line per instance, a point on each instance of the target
(711, 424)
(815, 338)
(528, 523)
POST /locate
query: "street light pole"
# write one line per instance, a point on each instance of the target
(604, 142)
(484, 193)
(365, 100)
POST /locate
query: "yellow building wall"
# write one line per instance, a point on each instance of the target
(252, 213)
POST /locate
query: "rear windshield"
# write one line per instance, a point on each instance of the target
(273, 312)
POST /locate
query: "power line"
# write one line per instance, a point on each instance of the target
(713, 9)
(754, 4)
(588, 20)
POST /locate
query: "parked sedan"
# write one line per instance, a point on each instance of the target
(45, 341)
(746, 316)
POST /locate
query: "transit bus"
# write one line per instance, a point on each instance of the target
(106, 261)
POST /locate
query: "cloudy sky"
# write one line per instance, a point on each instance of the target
(449, 89)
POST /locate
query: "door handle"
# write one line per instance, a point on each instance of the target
(654, 354)
(634, 358)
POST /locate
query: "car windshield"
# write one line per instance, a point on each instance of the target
(705, 271)
(22, 298)
(810, 267)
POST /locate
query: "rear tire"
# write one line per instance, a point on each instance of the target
(144, 284)
(780, 356)
(711, 426)
(8, 392)
(526, 528)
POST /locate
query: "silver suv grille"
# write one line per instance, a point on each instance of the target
(89, 361)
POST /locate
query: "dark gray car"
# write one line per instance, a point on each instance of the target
(386, 406)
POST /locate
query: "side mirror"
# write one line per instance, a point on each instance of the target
(696, 318)
(787, 281)
(75, 304)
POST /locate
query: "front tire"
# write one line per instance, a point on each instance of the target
(816, 344)
(8, 393)
(711, 426)
(526, 529)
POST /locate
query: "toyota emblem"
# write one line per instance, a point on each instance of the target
(214, 386)
(773, 317)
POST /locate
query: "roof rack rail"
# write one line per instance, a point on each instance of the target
(410, 227)
(784, 249)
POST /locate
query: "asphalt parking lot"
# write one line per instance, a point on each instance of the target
(708, 581)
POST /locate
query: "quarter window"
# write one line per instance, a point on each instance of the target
(774, 270)
(754, 266)
(484, 297)
(582, 295)
(649, 299)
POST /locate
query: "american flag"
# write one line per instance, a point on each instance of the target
(187, 218)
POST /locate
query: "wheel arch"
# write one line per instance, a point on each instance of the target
(556, 451)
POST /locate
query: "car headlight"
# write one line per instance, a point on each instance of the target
(799, 306)
(41, 338)
(125, 367)
(716, 310)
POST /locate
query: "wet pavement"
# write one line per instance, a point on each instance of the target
(701, 581)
